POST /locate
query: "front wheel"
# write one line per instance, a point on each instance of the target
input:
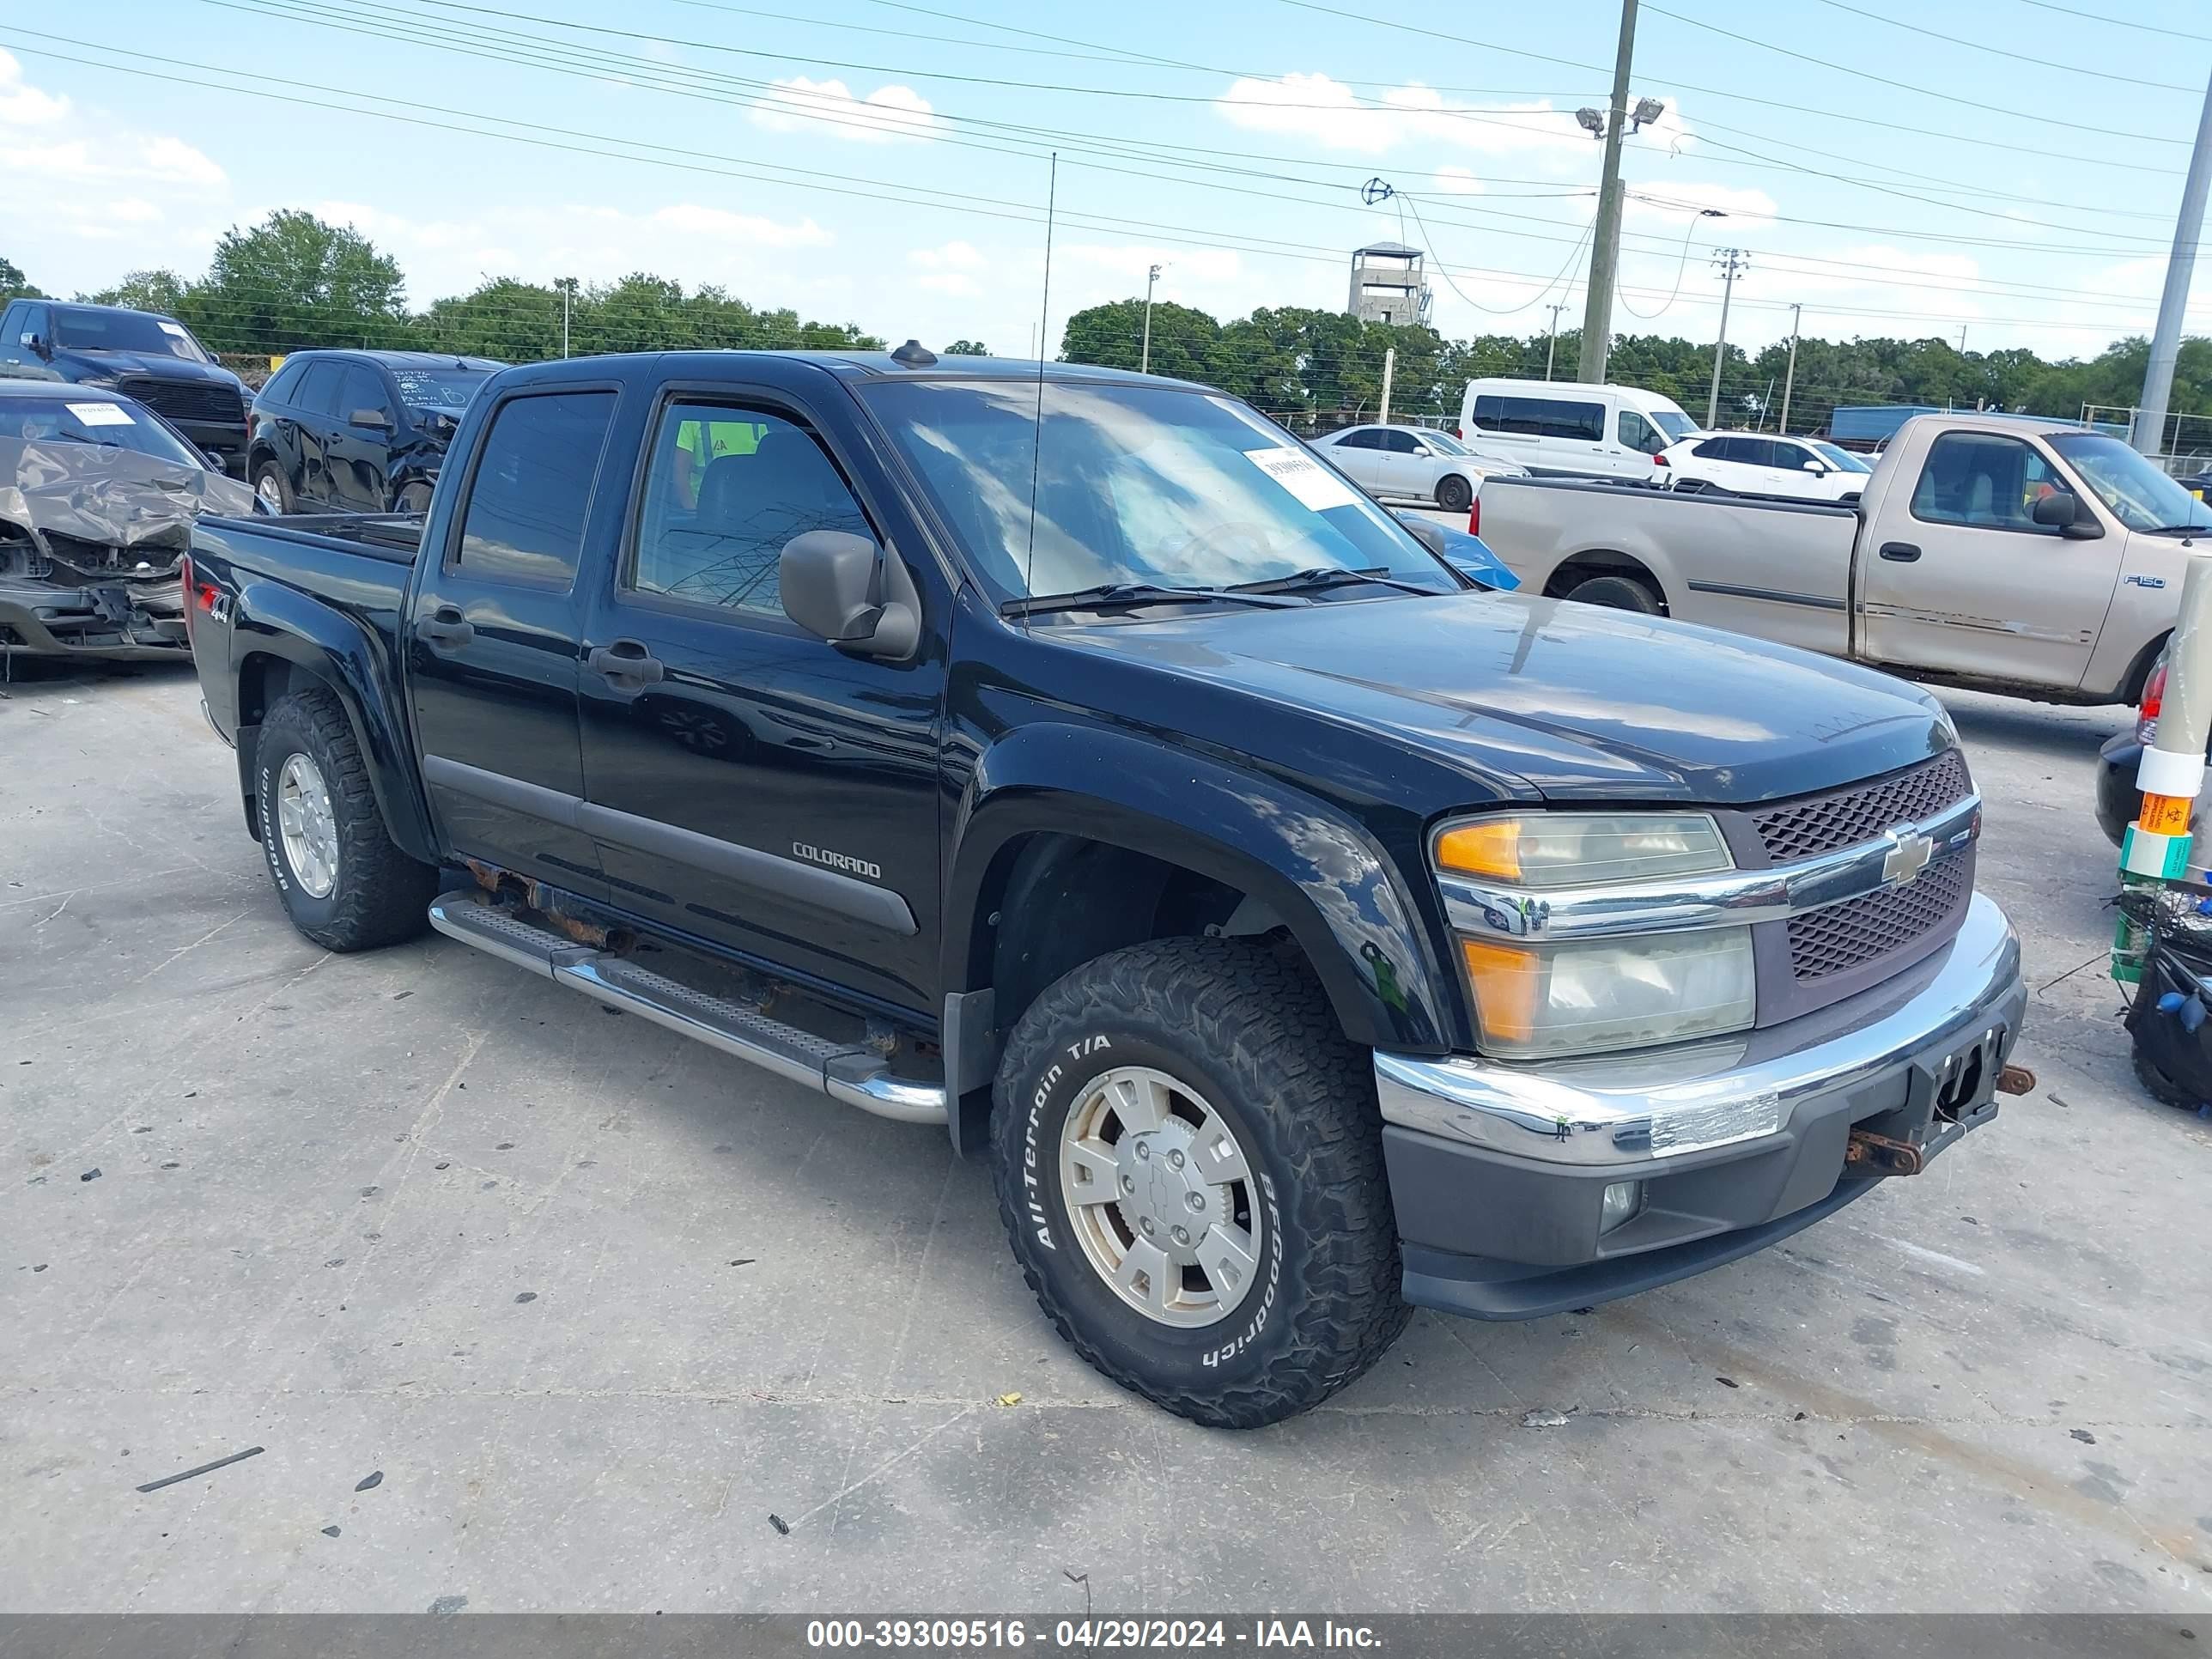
(1454, 493)
(1189, 1164)
(341, 880)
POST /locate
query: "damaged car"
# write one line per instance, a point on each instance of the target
(98, 496)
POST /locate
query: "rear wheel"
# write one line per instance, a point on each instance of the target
(270, 485)
(1454, 493)
(1189, 1164)
(341, 880)
(1618, 592)
(414, 499)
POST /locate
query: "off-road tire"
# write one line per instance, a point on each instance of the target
(381, 895)
(1454, 493)
(2162, 1088)
(1618, 593)
(414, 499)
(1245, 1024)
(272, 472)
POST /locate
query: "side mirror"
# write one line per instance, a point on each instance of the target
(36, 343)
(216, 461)
(1423, 449)
(1426, 531)
(376, 419)
(845, 589)
(1816, 468)
(2062, 510)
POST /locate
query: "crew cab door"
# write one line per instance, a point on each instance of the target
(749, 784)
(1960, 577)
(492, 637)
(311, 417)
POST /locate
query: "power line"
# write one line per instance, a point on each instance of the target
(2042, 117)
(1999, 52)
(2115, 23)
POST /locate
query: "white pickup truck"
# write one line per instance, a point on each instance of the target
(2037, 559)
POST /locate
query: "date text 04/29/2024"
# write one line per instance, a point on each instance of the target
(1085, 1634)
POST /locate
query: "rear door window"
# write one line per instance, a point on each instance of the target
(319, 388)
(1358, 441)
(532, 491)
(283, 386)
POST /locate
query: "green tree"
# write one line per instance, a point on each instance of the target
(13, 285)
(510, 321)
(966, 349)
(293, 280)
(1112, 336)
(144, 290)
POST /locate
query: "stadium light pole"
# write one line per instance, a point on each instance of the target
(2180, 265)
(1144, 361)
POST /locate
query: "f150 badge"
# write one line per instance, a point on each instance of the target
(2142, 581)
(831, 860)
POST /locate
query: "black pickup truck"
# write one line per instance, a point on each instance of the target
(1074, 760)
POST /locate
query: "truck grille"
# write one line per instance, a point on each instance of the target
(1864, 813)
(1853, 933)
(206, 401)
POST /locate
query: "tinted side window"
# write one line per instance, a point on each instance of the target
(1490, 413)
(319, 387)
(363, 389)
(35, 321)
(283, 386)
(1980, 479)
(727, 490)
(1713, 449)
(1358, 440)
(532, 487)
(1400, 441)
(11, 322)
(1640, 434)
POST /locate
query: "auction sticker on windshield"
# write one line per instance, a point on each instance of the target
(1314, 484)
(101, 414)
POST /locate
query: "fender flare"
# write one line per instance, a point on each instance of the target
(276, 621)
(1321, 871)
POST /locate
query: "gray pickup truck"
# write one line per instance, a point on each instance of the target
(2033, 558)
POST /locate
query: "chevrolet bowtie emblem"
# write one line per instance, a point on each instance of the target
(1907, 859)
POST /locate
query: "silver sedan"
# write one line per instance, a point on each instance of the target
(1414, 464)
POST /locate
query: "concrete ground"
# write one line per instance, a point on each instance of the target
(596, 1303)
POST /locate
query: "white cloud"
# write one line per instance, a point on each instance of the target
(1330, 113)
(103, 160)
(22, 104)
(175, 161)
(889, 115)
(956, 284)
(953, 256)
(747, 227)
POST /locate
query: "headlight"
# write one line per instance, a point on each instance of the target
(1537, 1000)
(1544, 1000)
(1576, 849)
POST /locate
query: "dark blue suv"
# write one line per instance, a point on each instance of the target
(358, 431)
(140, 354)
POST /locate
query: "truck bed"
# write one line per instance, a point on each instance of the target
(393, 537)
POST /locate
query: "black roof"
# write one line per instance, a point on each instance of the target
(401, 359)
(113, 311)
(881, 366)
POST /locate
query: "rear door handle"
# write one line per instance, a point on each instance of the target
(445, 627)
(1899, 552)
(627, 663)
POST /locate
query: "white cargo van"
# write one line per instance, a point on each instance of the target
(1566, 429)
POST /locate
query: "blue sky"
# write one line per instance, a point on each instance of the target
(885, 163)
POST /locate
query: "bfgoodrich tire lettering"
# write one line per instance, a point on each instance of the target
(381, 894)
(1246, 1027)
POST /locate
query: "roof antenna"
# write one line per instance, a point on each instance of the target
(1044, 318)
(914, 355)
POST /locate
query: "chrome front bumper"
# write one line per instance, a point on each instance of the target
(1640, 1109)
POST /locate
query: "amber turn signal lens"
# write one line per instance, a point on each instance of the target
(1504, 979)
(1483, 848)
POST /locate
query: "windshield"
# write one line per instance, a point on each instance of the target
(439, 388)
(2140, 495)
(1443, 442)
(92, 420)
(1842, 460)
(1676, 424)
(1135, 484)
(124, 331)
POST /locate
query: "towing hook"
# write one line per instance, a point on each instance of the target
(2015, 1080)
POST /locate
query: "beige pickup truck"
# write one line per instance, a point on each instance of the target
(2033, 558)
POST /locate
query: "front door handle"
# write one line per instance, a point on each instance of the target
(445, 627)
(627, 663)
(1899, 552)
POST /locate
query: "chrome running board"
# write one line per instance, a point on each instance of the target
(856, 1075)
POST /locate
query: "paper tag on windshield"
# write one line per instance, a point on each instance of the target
(101, 414)
(1314, 484)
(176, 329)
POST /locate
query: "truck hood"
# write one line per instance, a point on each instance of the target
(1571, 702)
(158, 364)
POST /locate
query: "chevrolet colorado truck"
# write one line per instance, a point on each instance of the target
(1074, 760)
(2033, 558)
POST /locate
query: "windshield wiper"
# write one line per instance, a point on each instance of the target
(1113, 595)
(2179, 530)
(1322, 577)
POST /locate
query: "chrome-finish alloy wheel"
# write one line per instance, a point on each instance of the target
(309, 828)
